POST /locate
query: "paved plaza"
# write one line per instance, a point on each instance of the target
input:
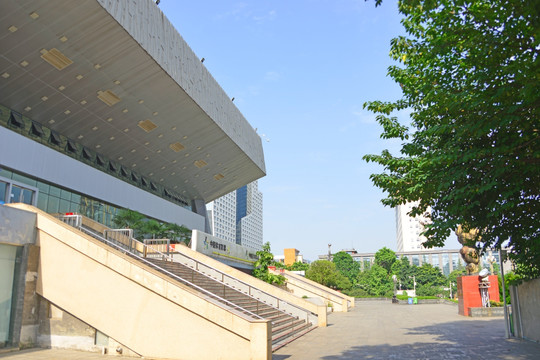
(380, 330)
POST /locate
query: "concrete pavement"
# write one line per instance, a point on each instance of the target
(382, 330)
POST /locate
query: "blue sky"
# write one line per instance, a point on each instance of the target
(300, 72)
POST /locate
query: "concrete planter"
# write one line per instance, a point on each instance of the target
(486, 311)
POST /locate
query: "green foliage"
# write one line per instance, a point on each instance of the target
(385, 258)
(154, 229)
(404, 272)
(128, 219)
(356, 292)
(452, 277)
(469, 76)
(428, 275)
(429, 280)
(324, 272)
(260, 270)
(178, 233)
(298, 266)
(346, 265)
(510, 278)
(494, 303)
(376, 281)
(151, 228)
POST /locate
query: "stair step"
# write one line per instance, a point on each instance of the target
(285, 328)
(279, 344)
(289, 332)
(291, 324)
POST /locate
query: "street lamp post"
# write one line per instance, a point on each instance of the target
(394, 298)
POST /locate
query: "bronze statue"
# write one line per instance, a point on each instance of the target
(468, 253)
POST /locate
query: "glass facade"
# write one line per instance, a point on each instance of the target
(53, 199)
(445, 264)
(456, 262)
(435, 260)
(415, 260)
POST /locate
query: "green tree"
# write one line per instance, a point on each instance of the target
(346, 265)
(260, 270)
(376, 281)
(469, 76)
(429, 280)
(178, 233)
(385, 258)
(324, 272)
(404, 272)
(126, 218)
(154, 229)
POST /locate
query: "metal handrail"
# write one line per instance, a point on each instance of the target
(197, 262)
(73, 220)
(206, 292)
(300, 279)
(251, 289)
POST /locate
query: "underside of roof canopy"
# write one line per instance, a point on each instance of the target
(116, 79)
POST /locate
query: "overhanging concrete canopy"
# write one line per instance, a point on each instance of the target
(116, 77)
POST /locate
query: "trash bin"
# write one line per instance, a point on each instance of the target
(415, 301)
(410, 301)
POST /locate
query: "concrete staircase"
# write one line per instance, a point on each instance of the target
(285, 327)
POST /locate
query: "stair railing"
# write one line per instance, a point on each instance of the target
(120, 240)
(236, 284)
(121, 246)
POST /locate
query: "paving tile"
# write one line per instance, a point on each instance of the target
(382, 330)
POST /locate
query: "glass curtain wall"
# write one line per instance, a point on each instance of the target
(53, 199)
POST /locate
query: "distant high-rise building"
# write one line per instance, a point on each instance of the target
(249, 216)
(222, 217)
(237, 217)
(408, 229)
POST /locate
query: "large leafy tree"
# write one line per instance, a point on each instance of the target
(469, 75)
(325, 272)
(385, 258)
(346, 265)
(376, 281)
(404, 272)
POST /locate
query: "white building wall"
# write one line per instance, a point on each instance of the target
(222, 217)
(408, 229)
(247, 231)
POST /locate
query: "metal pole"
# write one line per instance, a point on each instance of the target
(506, 323)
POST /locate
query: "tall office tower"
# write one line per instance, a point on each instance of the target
(222, 217)
(408, 229)
(237, 217)
(249, 216)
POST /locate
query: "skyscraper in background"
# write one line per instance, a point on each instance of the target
(238, 216)
(408, 229)
(222, 217)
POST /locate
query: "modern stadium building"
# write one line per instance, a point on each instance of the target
(103, 106)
